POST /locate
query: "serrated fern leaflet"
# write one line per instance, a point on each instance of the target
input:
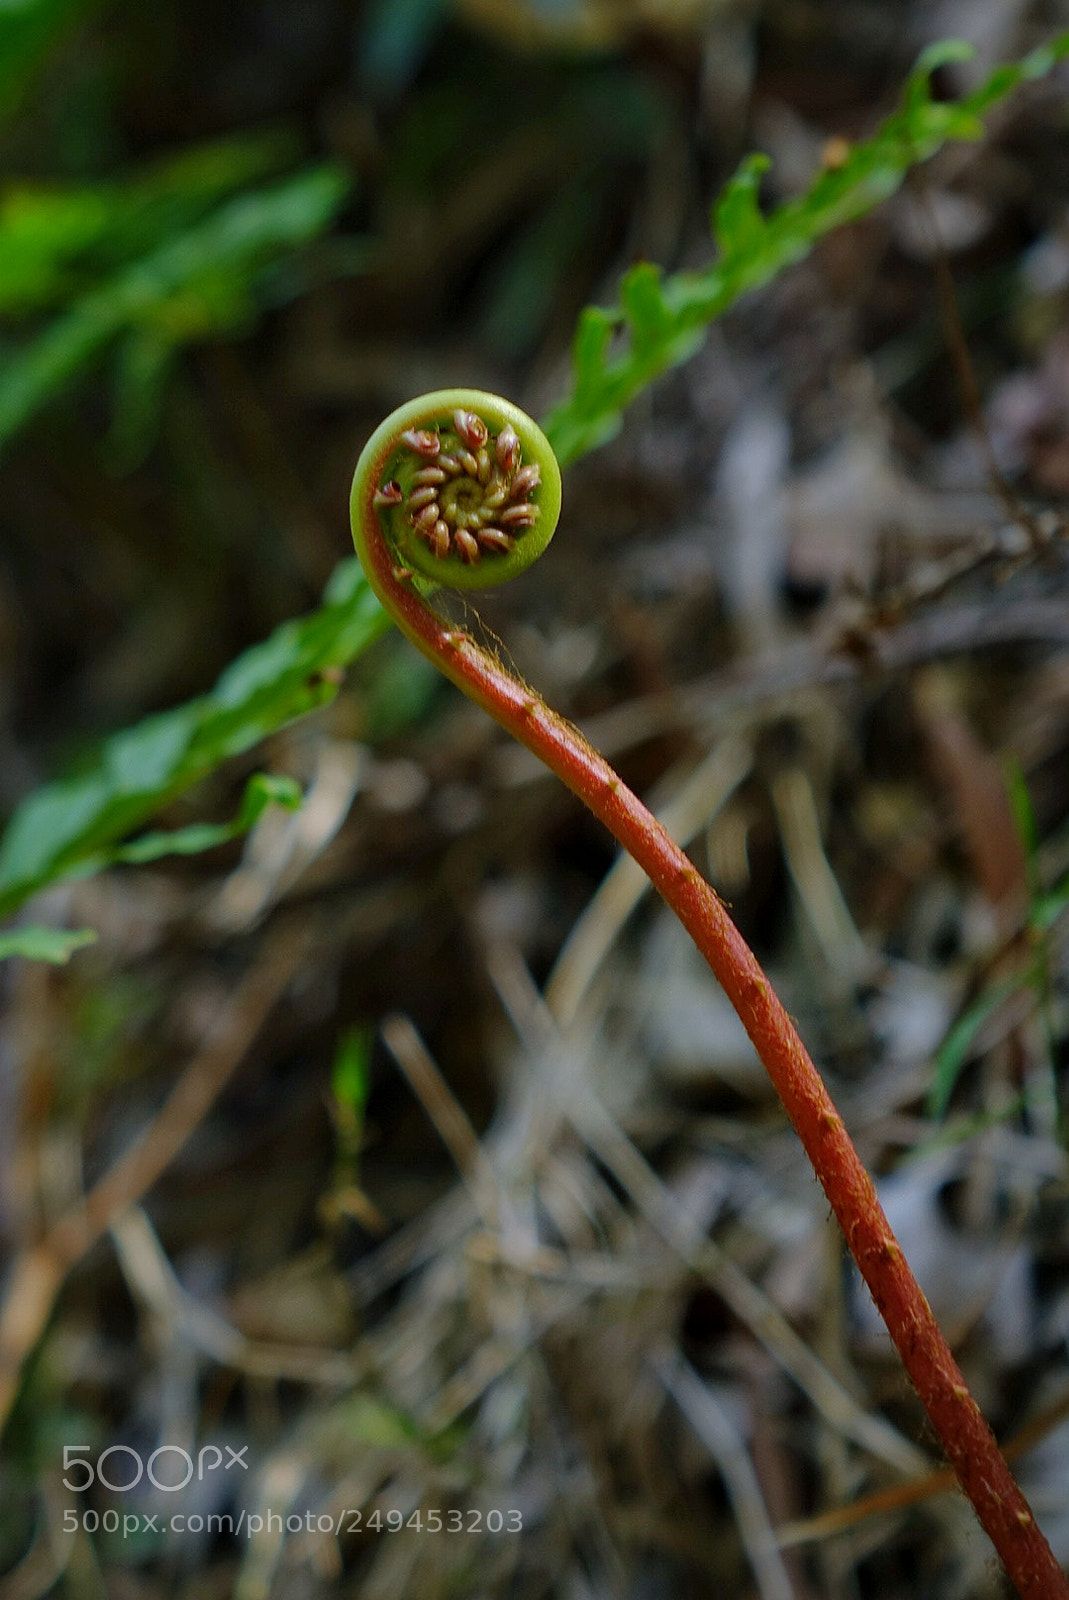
(660, 320)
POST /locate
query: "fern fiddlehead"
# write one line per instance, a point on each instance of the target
(461, 488)
(466, 488)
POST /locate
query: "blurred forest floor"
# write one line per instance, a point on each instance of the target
(472, 1196)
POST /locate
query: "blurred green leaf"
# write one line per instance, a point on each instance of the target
(56, 945)
(1044, 909)
(65, 827)
(145, 360)
(1046, 906)
(738, 224)
(28, 30)
(1049, 907)
(201, 282)
(940, 53)
(55, 240)
(643, 302)
(377, 1424)
(954, 1052)
(263, 789)
(404, 688)
(533, 270)
(350, 1078)
(350, 1083)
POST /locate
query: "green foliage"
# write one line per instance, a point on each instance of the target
(661, 320)
(56, 945)
(956, 1048)
(350, 1078)
(176, 255)
(66, 828)
(263, 789)
(350, 1085)
(28, 29)
(55, 241)
(1045, 907)
(1049, 908)
(174, 266)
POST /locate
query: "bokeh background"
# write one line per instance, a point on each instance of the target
(426, 1162)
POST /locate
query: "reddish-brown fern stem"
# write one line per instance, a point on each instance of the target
(968, 1441)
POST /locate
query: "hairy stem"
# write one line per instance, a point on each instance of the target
(968, 1441)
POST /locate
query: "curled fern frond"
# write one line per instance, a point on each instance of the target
(464, 485)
